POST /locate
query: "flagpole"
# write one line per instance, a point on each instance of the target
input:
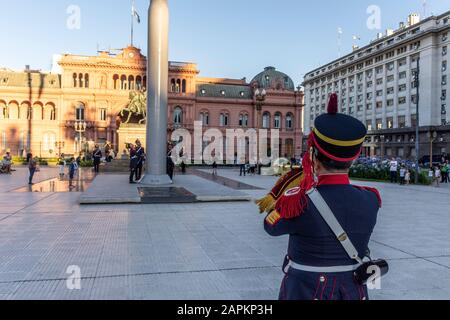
(132, 21)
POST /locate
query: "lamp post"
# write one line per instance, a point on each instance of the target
(382, 140)
(432, 136)
(260, 98)
(59, 145)
(417, 83)
(80, 127)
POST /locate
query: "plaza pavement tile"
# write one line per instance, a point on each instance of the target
(197, 251)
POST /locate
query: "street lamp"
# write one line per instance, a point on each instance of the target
(80, 127)
(60, 145)
(417, 84)
(432, 136)
(260, 98)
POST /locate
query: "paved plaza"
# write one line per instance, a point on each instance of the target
(196, 251)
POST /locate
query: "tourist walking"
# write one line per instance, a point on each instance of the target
(242, 168)
(7, 162)
(62, 165)
(214, 167)
(97, 155)
(444, 173)
(448, 171)
(72, 168)
(32, 166)
(393, 168)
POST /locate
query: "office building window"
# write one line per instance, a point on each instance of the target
(379, 124)
(402, 122)
(103, 114)
(390, 123)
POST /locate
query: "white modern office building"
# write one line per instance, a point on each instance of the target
(376, 84)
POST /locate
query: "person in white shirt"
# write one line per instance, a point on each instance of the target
(393, 170)
(437, 175)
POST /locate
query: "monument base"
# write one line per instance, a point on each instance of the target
(156, 180)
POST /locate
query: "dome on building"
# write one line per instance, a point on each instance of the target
(270, 78)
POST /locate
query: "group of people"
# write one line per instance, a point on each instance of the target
(73, 165)
(440, 174)
(399, 173)
(137, 160)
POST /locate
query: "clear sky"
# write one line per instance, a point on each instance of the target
(228, 38)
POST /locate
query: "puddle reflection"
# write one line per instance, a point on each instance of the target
(58, 185)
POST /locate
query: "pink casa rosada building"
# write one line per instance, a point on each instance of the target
(79, 104)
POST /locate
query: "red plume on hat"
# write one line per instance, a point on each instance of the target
(333, 104)
(294, 202)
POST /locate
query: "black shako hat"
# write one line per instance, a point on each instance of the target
(337, 136)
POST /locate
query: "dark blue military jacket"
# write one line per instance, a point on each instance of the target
(311, 241)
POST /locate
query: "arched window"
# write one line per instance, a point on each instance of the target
(123, 82)
(80, 112)
(266, 120)
(145, 82)
(131, 83)
(289, 121)
(224, 119)
(277, 121)
(172, 85)
(24, 111)
(37, 111)
(178, 86)
(115, 80)
(75, 81)
(86, 80)
(50, 112)
(204, 118)
(3, 110)
(178, 116)
(183, 86)
(13, 110)
(80, 80)
(243, 120)
(139, 83)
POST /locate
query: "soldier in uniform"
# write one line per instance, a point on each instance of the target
(140, 153)
(133, 163)
(317, 267)
(97, 156)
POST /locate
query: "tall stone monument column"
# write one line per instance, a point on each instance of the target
(158, 78)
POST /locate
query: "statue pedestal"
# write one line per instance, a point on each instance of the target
(156, 180)
(129, 133)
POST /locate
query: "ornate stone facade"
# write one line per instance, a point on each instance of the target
(39, 110)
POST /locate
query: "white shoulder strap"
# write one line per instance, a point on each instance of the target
(334, 224)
